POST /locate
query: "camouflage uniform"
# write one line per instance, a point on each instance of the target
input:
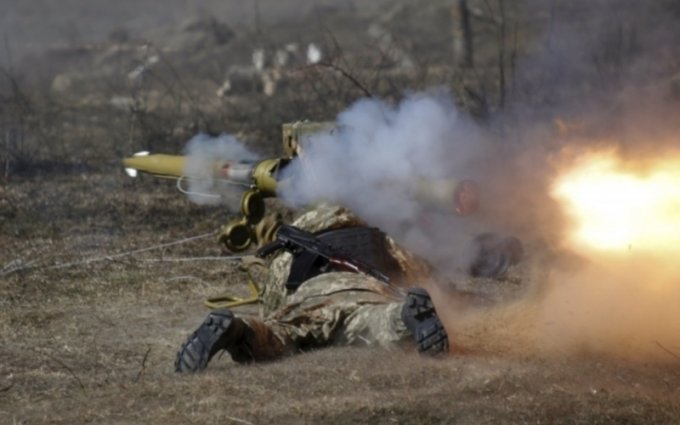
(336, 307)
(339, 308)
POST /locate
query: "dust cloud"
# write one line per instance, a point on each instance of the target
(609, 308)
(385, 161)
(610, 86)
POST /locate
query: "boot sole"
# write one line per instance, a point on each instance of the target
(201, 346)
(421, 319)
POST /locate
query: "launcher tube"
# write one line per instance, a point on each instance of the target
(262, 174)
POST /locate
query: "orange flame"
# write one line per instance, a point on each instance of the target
(615, 208)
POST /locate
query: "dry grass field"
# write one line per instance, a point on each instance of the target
(90, 320)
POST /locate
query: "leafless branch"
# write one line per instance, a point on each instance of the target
(667, 350)
(501, 53)
(346, 74)
(143, 367)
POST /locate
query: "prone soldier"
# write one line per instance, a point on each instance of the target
(309, 302)
(373, 296)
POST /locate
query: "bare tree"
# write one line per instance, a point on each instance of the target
(462, 34)
(501, 54)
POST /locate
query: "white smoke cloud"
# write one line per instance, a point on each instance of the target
(604, 67)
(203, 152)
(381, 153)
(387, 163)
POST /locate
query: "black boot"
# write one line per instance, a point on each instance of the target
(220, 330)
(420, 318)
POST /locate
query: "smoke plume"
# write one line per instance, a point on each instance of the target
(396, 166)
(603, 77)
(203, 152)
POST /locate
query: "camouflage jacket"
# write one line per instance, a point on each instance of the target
(328, 217)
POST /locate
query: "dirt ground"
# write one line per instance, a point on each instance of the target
(96, 343)
(90, 320)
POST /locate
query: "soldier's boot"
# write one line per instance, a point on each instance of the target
(245, 340)
(420, 318)
(217, 332)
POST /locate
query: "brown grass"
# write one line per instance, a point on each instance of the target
(95, 343)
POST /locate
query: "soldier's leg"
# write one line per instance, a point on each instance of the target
(246, 340)
(317, 314)
(349, 308)
(333, 308)
(378, 324)
(414, 319)
(311, 318)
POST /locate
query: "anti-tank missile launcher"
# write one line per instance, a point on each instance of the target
(256, 180)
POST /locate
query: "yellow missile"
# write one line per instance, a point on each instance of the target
(160, 165)
(259, 174)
